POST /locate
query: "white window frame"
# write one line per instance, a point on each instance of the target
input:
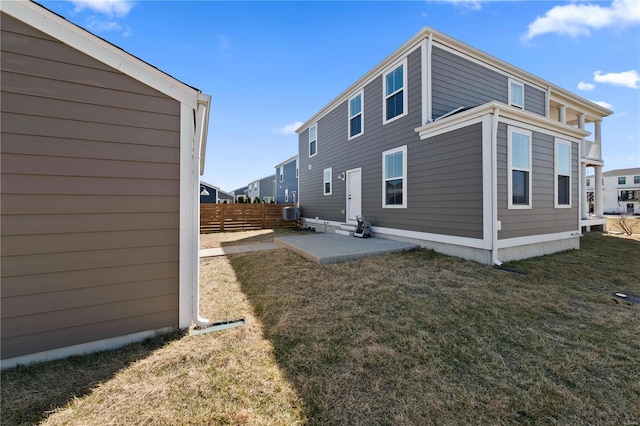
(636, 180)
(510, 131)
(315, 128)
(329, 171)
(402, 149)
(405, 95)
(557, 173)
(351, 117)
(281, 173)
(518, 83)
(286, 195)
(622, 180)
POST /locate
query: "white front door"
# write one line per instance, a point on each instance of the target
(354, 194)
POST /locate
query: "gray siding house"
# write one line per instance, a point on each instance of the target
(264, 189)
(443, 145)
(99, 191)
(287, 181)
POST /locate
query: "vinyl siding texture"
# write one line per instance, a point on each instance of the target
(444, 177)
(289, 182)
(90, 198)
(459, 82)
(542, 218)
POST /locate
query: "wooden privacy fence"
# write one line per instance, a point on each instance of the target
(241, 217)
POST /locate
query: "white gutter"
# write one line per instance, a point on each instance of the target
(494, 192)
(200, 144)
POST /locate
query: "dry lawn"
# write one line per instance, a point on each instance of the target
(403, 339)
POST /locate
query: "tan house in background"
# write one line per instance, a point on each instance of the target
(100, 159)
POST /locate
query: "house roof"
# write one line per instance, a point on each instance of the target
(208, 185)
(295, 157)
(622, 172)
(461, 47)
(49, 22)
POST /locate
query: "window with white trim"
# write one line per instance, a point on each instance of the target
(394, 178)
(327, 181)
(356, 117)
(395, 98)
(313, 140)
(563, 173)
(519, 177)
(286, 195)
(622, 180)
(282, 174)
(636, 179)
(516, 94)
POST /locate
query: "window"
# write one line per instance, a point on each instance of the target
(282, 174)
(355, 116)
(394, 178)
(622, 180)
(313, 140)
(636, 179)
(519, 186)
(395, 99)
(327, 181)
(296, 170)
(563, 173)
(588, 182)
(286, 195)
(516, 94)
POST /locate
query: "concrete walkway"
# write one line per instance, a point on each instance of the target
(223, 251)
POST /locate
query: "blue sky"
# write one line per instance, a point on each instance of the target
(269, 65)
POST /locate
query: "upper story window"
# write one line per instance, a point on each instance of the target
(622, 180)
(327, 181)
(563, 173)
(636, 179)
(394, 181)
(282, 174)
(313, 140)
(519, 177)
(355, 116)
(395, 98)
(516, 94)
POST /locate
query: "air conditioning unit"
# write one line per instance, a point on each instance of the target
(290, 213)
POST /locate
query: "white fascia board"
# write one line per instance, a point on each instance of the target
(507, 113)
(505, 67)
(287, 161)
(403, 51)
(593, 110)
(59, 28)
(209, 185)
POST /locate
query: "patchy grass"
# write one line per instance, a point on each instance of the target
(406, 338)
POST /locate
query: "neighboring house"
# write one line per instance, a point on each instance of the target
(287, 181)
(264, 189)
(211, 194)
(99, 184)
(240, 193)
(446, 146)
(621, 191)
(225, 197)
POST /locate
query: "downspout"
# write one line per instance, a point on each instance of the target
(494, 189)
(200, 142)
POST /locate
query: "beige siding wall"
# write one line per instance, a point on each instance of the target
(90, 198)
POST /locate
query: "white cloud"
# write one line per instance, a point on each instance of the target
(630, 79)
(579, 19)
(288, 129)
(467, 4)
(603, 104)
(118, 8)
(586, 86)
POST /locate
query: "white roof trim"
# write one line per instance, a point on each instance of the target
(48, 22)
(465, 50)
(506, 111)
(295, 157)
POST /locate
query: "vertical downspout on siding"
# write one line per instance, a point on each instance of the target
(494, 191)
